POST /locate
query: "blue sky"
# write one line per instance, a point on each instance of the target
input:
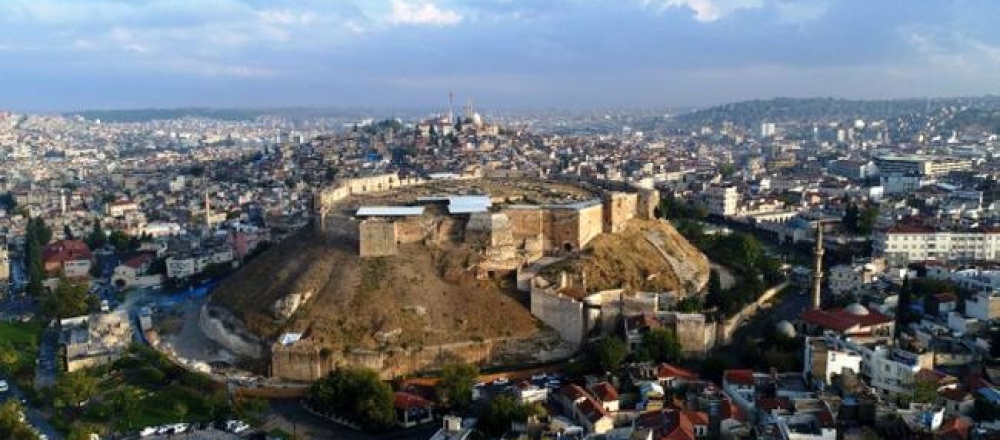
(73, 54)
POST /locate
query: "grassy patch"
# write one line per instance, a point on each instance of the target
(21, 334)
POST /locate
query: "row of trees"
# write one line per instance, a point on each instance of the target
(37, 235)
(859, 220)
(354, 393)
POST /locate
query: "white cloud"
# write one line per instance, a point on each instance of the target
(708, 10)
(404, 12)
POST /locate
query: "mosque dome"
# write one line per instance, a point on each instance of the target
(785, 328)
(856, 309)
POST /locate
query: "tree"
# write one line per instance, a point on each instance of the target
(120, 240)
(924, 391)
(866, 223)
(714, 295)
(851, 217)
(67, 232)
(126, 405)
(11, 426)
(660, 345)
(727, 170)
(73, 388)
(503, 410)
(611, 352)
(457, 380)
(180, 410)
(83, 431)
(97, 237)
(356, 393)
(905, 301)
(9, 356)
(69, 299)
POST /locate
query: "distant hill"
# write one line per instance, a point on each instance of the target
(752, 113)
(231, 114)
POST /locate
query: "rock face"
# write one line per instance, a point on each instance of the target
(647, 255)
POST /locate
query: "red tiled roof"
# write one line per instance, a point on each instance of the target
(573, 392)
(605, 392)
(66, 250)
(401, 400)
(910, 229)
(945, 297)
(773, 403)
(739, 376)
(840, 320)
(954, 393)
(592, 410)
(954, 429)
(137, 261)
(667, 371)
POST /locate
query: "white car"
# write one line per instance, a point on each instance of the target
(105, 307)
(148, 431)
(4, 387)
(236, 426)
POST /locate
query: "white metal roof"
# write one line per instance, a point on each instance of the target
(390, 211)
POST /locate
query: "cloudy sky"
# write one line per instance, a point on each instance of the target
(73, 54)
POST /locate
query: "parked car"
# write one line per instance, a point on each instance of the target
(148, 431)
(4, 386)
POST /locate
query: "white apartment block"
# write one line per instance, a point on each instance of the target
(902, 245)
(852, 278)
(722, 200)
(889, 370)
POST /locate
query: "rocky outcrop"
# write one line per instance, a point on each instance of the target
(223, 328)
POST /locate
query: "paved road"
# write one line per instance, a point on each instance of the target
(45, 364)
(33, 416)
(289, 416)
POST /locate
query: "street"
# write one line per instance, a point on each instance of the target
(289, 416)
(32, 415)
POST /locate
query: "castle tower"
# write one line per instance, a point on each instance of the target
(818, 267)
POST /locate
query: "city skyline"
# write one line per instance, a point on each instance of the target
(62, 55)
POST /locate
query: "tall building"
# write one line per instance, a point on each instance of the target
(722, 200)
(768, 129)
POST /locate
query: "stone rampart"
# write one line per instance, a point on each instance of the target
(377, 238)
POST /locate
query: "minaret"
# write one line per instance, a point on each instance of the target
(818, 268)
(208, 211)
(451, 108)
(62, 201)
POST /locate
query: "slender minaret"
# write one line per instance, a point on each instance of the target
(208, 211)
(818, 269)
(62, 201)
(451, 108)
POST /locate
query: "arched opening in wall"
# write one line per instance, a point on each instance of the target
(568, 247)
(120, 283)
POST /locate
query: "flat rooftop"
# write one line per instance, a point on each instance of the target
(390, 211)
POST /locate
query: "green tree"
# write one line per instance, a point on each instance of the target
(73, 388)
(502, 411)
(82, 431)
(69, 299)
(356, 393)
(660, 345)
(9, 356)
(97, 237)
(120, 240)
(611, 352)
(457, 381)
(11, 426)
(125, 403)
(924, 391)
(866, 223)
(851, 217)
(903, 311)
(727, 169)
(180, 410)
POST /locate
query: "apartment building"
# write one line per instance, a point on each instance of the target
(722, 200)
(903, 244)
